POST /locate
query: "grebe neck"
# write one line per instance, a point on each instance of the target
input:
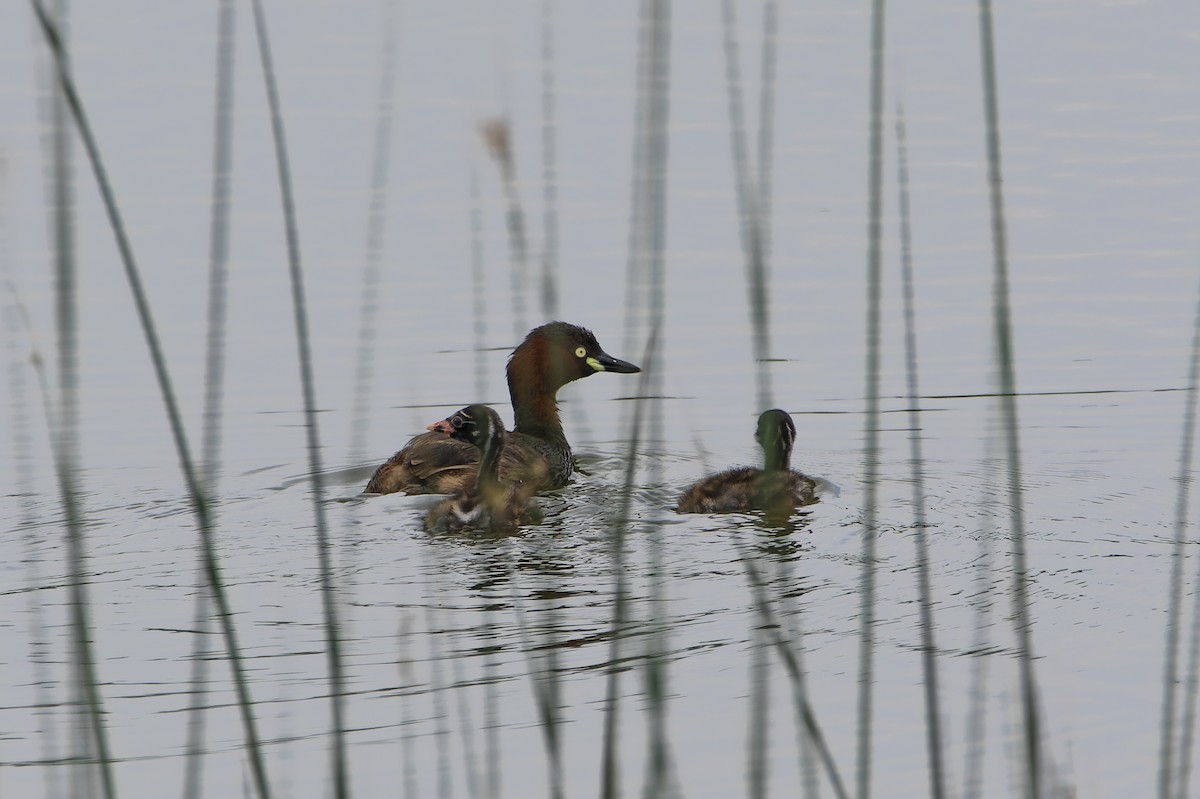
(532, 390)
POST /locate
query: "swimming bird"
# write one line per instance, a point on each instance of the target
(776, 488)
(536, 451)
(490, 503)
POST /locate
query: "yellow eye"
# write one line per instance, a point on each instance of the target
(580, 352)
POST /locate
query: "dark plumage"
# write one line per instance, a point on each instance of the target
(490, 503)
(536, 451)
(775, 488)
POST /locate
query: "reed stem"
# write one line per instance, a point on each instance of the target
(929, 668)
(1008, 404)
(341, 776)
(871, 432)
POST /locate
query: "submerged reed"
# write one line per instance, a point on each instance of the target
(549, 292)
(15, 322)
(787, 653)
(497, 137)
(91, 734)
(874, 282)
(647, 242)
(341, 775)
(752, 195)
(929, 668)
(1008, 404)
(377, 214)
(1167, 770)
(214, 376)
(198, 497)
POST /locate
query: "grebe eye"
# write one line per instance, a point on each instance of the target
(457, 422)
(580, 352)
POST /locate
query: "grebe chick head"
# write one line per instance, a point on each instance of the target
(475, 424)
(776, 434)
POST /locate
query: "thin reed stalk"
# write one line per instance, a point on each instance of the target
(758, 743)
(981, 602)
(809, 772)
(404, 666)
(437, 694)
(549, 292)
(766, 128)
(214, 376)
(752, 198)
(866, 653)
(466, 731)
(1192, 689)
(771, 624)
(21, 449)
(655, 674)
(929, 668)
(491, 703)
(478, 289)
(341, 776)
(749, 200)
(645, 291)
(544, 682)
(199, 500)
(610, 787)
(1166, 771)
(377, 214)
(91, 735)
(1008, 403)
(635, 266)
(497, 137)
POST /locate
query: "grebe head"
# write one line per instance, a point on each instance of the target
(474, 424)
(557, 353)
(776, 434)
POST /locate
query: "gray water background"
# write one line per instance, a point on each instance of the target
(1098, 104)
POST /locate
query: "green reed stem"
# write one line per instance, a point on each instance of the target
(1008, 399)
(610, 769)
(437, 694)
(766, 130)
(199, 500)
(341, 776)
(214, 374)
(15, 315)
(479, 291)
(65, 427)
(871, 432)
(809, 771)
(404, 666)
(549, 169)
(981, 601)
(465, 729)
(635, 266)
(772, 625)
(91, 735)
(655, 674)
(491, 706)
(1166, 773)
(377, 216)
(929, 669)
(497, 135)
(543, 680)
(749, 200)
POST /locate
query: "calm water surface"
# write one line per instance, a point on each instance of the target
(1100, 144)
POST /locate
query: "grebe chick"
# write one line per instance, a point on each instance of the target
(775, 488)
(489, 504)
(537, 451)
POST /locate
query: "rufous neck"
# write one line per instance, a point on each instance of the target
(533, 396)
